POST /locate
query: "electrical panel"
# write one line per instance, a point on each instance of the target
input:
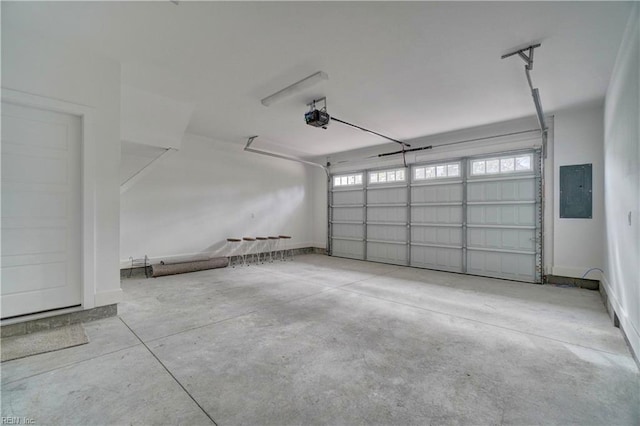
(576, 192)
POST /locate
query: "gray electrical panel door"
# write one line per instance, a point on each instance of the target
(576, 192)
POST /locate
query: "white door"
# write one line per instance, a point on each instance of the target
(504, 217)
(347, 216)
(41, 210)
(387, 219)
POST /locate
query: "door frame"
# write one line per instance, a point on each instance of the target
(88, 190)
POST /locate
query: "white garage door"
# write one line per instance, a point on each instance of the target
(347, 213)
(387, 217)
(41, 210)
(504, 217)
(479, 216)
(437, 216)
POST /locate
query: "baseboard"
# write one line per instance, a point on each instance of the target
(127, 272)
(139, 262)
(573, 282)
(29, 324)
(615, 310)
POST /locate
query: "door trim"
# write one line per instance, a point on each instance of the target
(88, 147)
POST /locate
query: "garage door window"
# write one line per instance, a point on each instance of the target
(347, 180)
(494, 166)
(384, 176)
(437, 171)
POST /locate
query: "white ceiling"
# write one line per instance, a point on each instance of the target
(403, 69)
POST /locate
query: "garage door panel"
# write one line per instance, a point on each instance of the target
(508, 190)
(437, 214)
(445, 193)
(387, 195)
(387, 253)
(387, 214)
(348, 230)
(505, 239)
(512, 214)
(348, 214)
(348, 197)
(387, 233)
(514, 266)
(437, 235)
(346, 248)
(444, 259)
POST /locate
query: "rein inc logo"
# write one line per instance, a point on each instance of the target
(15, 420)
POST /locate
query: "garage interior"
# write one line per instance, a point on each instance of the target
(374, 212)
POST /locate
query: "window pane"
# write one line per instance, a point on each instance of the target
(441, 171)
(382, 177)
(420, 173)
(373, 177)
(399, 174)
(523, 163)
(506, 165)
(453, 170)
(336, 181)
(429, 172)
(477, 167)
(352, 180)
(343, 180)
(358, 179)
(391, 176)
(493, 166)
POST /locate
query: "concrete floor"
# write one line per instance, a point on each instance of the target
(332, 341)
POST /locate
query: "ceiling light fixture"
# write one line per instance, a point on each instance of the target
(295, 88)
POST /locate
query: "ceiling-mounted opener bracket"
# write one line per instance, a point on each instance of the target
(312, 104)
(526, 54)
(527, 58)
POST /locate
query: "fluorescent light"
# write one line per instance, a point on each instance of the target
(295, 87)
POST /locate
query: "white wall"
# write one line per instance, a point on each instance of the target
(209, 191)
(622, 184)
(151, 119)
(42, 67)
(578, 139)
